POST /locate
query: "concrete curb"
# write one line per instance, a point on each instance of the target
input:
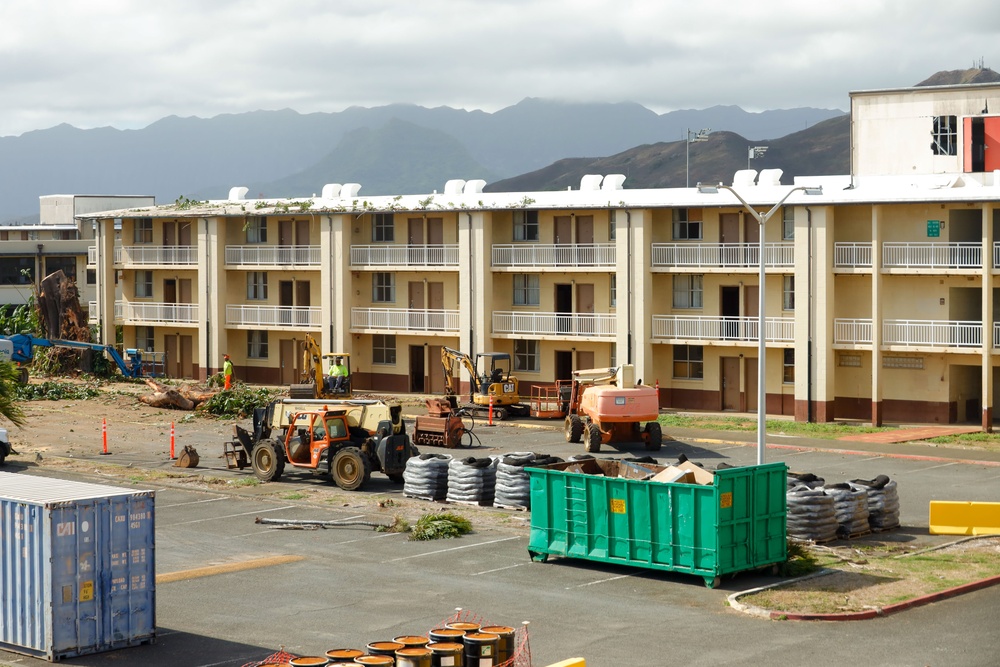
(865, 615)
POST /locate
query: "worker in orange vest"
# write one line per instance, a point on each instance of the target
(227, 371)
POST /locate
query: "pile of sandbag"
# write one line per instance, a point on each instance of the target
(883, 501)
(472, 480)
(811, 514)
(426, 476)
(850, 507)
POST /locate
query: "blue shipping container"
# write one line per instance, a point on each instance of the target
(76, 567)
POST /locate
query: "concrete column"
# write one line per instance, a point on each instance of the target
(634, 333)
(105, 243)
(335, 274)
(876, 317)
(987, 301)
(815, 359)
(475, 282)
(212, 332)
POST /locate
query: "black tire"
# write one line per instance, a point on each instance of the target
(592, 438)
(396, 478)
(573, 428)
(268, 461)
(350, 469)
(4, 449)
(654, 436)
(22, 375)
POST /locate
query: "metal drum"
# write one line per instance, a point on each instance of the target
(381, 660)
(384, 648)
(446, 635)
(505, 647)
(464, 626)
(413, 656)
(412, 641)
(447, 654)
(481, 649)
(309, 661)
(343, 654)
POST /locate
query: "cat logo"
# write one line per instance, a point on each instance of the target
(65, 529)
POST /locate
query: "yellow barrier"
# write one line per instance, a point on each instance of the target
(964, 518)
(572, 662)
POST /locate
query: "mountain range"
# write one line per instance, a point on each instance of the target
(406, 149)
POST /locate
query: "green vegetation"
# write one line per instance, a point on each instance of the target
(440, 526)
(830, 430)
(51, 390)
(239, 402)
(183, 203)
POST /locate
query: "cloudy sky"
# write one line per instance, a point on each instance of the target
(127, 63)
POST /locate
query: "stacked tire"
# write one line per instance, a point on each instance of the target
(426, 476)
(883, 502)
(811, 514)
(472, 480)
(513, 486)
(850, 509)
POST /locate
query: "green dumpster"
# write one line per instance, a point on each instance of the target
(584, 509)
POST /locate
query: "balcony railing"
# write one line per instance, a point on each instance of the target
(932, 255)
(698, 327)
(273, 255)
(404, 255)
(932, 333)
(405, 319)
(131, 312)
(92, 312)
(598, 325)
(848, 255)
(273, 316)
(153, 255)
(558, 254)
(92, 256)
(848, 331)
(722, 255)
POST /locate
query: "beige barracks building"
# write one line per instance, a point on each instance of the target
(880, 291)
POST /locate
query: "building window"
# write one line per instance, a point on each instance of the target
(384, 349)
(788, 293)
(143, 230)
(384, 287)
(944, 134)
(526, 356)
(17, 270)
(614, 290)
(257, 229)
(65, 264)
(257, 344)
(383, 230)
(526, 290)
(525, 225)
(787, 223)
(144, 339)
(687, 224)
(612, 225)
(257, 286)
(689, 362)
(788, 369)
(143, 284)
(91, 276)
(687, 291)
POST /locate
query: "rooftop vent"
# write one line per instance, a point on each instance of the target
(744, 177)
(613, 182)
(454, 186)
(769, 177)
(238, 193)
(591, 182)
(331, 191)
(475, 186)
(350, 190)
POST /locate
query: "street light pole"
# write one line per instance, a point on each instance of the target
(762, 219)
(699, 136)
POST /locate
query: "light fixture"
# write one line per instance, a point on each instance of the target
(690, 138)
(755, 152)
(762, 219)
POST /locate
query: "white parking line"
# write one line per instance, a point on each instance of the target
(442, 551)
(600, 581)
(498, 569)
(193, 502)
(228, 516)
(943, 465)
(870, 458)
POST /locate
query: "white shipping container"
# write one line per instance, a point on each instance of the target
(77, 571)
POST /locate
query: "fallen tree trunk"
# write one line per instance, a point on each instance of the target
(184, 398)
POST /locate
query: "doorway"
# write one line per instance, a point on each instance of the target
(562, 237)
(750, 387)
(585, 308)
(729, 298)
(730, 383)
(436, 373)
(288, 361)
(417, 369)
(563, 365)
(564, 307)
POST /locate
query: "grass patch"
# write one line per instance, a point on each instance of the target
(871, 576)
(293, 496)
(829, 430)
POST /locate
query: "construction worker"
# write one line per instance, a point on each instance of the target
(338, 376)
(227, 371)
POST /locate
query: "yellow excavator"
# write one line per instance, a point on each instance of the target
(489, 377)
(312, 384)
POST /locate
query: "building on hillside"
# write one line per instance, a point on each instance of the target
(880, 291)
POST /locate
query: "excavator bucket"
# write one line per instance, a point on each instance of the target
(188, 458)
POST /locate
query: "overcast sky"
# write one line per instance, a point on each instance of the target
(128, 63)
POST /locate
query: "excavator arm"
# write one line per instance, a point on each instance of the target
(312, 361)
(448, 359)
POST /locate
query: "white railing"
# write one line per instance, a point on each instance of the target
(130, 312)
(932, 333)
(849, 255)
(996, 254)
(723, 255)
(598, 325)
(92, 312)
(698, 327)
(404, 319)
(273, 255)
(558, 254)
(852, 331)
(404, 255)
(148, 255)
(273, 316)
(932, 255)
(996, 334)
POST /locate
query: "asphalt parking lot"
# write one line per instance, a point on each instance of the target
(310, 591)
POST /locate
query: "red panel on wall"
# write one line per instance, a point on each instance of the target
(992, 132)
(967, 141)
